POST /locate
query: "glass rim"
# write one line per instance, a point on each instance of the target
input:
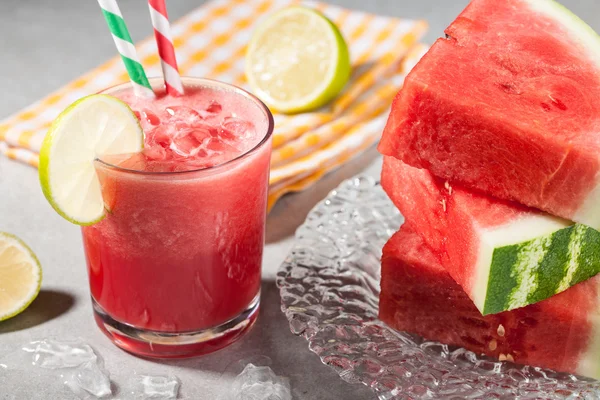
(155, 82)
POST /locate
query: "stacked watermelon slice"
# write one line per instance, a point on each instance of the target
(492, 150)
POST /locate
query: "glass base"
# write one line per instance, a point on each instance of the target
(155, 344)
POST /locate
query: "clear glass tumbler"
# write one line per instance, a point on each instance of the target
(175, 266)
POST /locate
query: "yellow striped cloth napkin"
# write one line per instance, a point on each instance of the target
(211, 42)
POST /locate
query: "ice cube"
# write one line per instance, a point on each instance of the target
(259, 383)
(54, 355)
(160, 136)
(217, 146)
(183, 114)
(89, 380)
(155, 153)
(213, 109)
(150, 117)
(76, 365)
(237, 128)
(189, 142)
(219, 152)
(155, 387)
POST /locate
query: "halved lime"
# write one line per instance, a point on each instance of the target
(20, 276)
(93, 126)
(297, 60)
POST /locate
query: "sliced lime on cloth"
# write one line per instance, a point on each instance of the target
(297, 60)
(20, 276)
(93, 126)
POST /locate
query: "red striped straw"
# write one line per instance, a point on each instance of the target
(166, 50)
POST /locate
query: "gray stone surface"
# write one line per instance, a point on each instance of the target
(45, 45)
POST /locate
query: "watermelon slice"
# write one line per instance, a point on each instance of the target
(508, 104)
(419, 296)
(504, 255)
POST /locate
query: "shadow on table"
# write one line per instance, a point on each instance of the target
(271, 339)
(292, 209)
(48, 305)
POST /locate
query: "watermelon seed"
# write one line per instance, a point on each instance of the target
(493, 345)
(443, 203)
(501, 330)
(558, 104)
(506, 357)
(448, 187)
(509, 88)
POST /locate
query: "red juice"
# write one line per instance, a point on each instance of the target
(175, 265)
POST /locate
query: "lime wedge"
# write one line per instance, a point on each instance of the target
(93, 126)
(297, 60)
(20, 276)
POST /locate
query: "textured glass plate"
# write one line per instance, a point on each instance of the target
(329, 288)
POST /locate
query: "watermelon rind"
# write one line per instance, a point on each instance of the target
(533, 270)
(580, 31)
(588, 212)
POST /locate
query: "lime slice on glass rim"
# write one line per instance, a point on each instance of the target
(92, 126)
(297, 60)
(20, 276)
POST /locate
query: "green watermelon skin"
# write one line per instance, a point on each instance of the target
(419, 296)
(504, 255)
(507, 104)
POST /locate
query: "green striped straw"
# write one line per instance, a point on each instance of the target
(120, 34)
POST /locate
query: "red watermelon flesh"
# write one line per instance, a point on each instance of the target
(419, 296)
(507, 104)
(446, 217)
(428, 202)
(504, 255)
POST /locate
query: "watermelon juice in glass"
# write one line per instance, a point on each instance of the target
(175, 265)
